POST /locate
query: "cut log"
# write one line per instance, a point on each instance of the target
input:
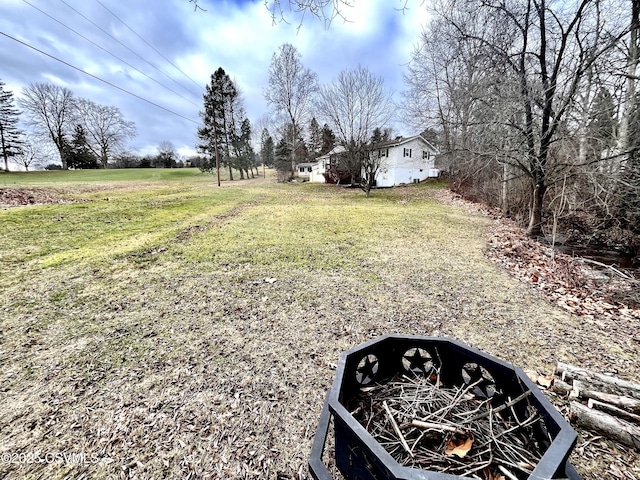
(607, 425)
(597, 381)
(583, 391)
(612, 410)
(560, 387)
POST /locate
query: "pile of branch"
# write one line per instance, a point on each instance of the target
(423, 424)
(605, 404)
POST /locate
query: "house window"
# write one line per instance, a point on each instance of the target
(425, 155)
(406, 152)
(309, 169)
(381, 153)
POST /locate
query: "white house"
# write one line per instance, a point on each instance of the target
(304, 170)
(319, 168)
(406, 160)
(403, 160)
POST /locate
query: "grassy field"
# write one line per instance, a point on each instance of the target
(167, 328)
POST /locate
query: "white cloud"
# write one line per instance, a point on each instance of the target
(237, 35)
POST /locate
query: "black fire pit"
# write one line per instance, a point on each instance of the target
(495, 390)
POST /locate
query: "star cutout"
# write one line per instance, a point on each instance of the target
(417, 360)
(484, 386)
(367, 369)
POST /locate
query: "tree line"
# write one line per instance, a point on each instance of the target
(83, 133)
(352, 108)
(535, 105)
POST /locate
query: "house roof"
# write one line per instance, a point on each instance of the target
(334, 151)
(402, 140)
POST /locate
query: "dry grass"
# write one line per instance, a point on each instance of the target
(207, 354)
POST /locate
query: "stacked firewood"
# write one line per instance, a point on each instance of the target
(604, 404)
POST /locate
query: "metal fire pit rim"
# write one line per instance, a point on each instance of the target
(560, 447)
(319, 471)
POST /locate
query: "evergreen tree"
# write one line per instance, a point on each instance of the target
(244, 151)
(10, 137)
(602, 124)
(328, 140)
(221, 105)
(314, 145)
(282, 160)
(79, 155)
(628, 194)
(267, 149)
(294, 136)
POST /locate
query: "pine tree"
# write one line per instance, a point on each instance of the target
(10, 137)
(212, 132)
(219, 131)
(602, 124)
(245, 153)
(282, 160)
(267, 149)
(79, 155)
(328, 140)
(314, 144)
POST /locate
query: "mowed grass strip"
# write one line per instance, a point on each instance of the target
(107, 224)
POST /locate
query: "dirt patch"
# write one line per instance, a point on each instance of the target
(16, 197)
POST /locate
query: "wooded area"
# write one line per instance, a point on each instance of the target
(535, 106)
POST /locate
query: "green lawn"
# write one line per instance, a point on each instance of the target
(53, 177)
(168, 328)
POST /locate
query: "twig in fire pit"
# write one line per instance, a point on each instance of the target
(449, 429)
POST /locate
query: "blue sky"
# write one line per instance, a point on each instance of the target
(239, 36)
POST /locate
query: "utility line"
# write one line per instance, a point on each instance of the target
(98, 78)
(154, 48)
(132, 51)
(110, 53)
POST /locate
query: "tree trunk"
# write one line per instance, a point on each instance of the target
(624, 141)
(506, 177)
(230, 173)
(535, 219)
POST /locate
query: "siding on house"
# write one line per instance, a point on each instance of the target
(406, 161)
(304, 170)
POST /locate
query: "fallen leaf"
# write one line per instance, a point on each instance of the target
(545, 380)
(459, 446)
(532, 374)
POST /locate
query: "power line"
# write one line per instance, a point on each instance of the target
(132, 51)
(154, 48)
(98, 78)
(110, 53)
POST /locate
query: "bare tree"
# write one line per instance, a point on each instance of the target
(49, 110)
(291, 90)
(167, 154)
(34, 153)
(107, 130)
(324, 10)
(520, 66)
(354, 104)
